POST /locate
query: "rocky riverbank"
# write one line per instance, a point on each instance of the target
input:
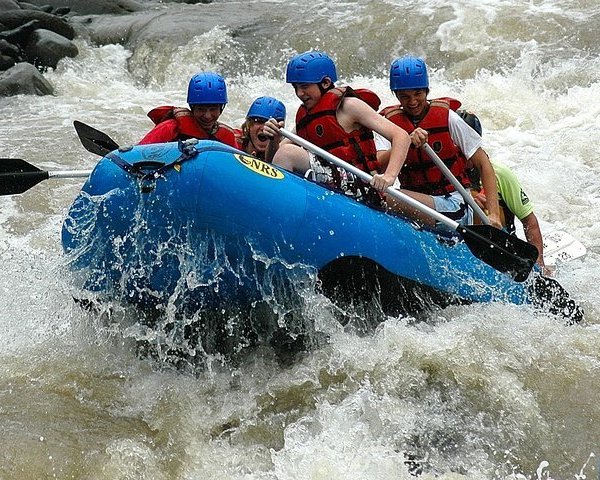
(36, 34)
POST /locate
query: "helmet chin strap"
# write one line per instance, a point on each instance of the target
(253, 145)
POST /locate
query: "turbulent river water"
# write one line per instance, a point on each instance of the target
(480, 391)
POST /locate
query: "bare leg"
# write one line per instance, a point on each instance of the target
(292, 158)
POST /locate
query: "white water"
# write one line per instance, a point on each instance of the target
(482, 391)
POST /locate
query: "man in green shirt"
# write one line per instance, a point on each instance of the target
(513, 201)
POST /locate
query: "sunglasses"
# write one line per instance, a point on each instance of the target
(257, 120)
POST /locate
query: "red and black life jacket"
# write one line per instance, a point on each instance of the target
(238, 132)
(419, 173)
(182, 125)
(320, 126)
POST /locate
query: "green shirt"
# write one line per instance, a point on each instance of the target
(511, 192)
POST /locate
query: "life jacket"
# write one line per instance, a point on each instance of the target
(320, 126)
(419, 173)
(238, 133)
(187, 126)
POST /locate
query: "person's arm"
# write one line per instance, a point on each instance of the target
(272, 148)
(271, 130)
(482, 163)
(470, 143)
(533, 234)
(519, 204)
(356, 113)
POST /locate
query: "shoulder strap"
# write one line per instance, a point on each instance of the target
(388, 112)
(452, 103)
(160, 114)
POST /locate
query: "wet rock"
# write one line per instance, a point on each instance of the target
(61, 11)
(21, 34)
(10, 50)
(89, 7)
(30, 32)
(30, 6)
(175, 27)
(14, 19)
(46, 48)
(191, 2)
(24, 78)
(6, 62)
(8, 5)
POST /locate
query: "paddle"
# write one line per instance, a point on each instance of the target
(93, 140)
(560, 247)
(506, 253)
(454, 181)
(18, 176)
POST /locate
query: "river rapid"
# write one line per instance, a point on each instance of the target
(487, 391)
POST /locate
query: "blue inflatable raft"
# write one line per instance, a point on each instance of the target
(205, 222)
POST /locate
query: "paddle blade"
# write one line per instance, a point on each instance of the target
(560, 247)
(548, 294)
(93, 140)
(16, 165)
(18, 176)
(506, 253)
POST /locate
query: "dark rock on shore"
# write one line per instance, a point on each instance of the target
(46, 48)
(9, 54)
(30, 33)
(40, 32)
(9, 5)
(175, 26)
(93, 7)
(24, 78)
(14, 19)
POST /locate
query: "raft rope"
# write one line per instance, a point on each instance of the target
(149, 171)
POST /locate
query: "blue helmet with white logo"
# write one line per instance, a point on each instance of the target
(207, 88)
(408, 73)
(267, 107)
(310, 67)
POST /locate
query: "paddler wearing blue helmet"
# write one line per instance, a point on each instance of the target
(206, 97)
(514, 202)
(251, 137)
(341, 121)
(436, 123)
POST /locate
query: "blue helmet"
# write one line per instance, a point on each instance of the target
(207, 88)
(310, 67)
(471, 120)
(267, 107)
(408, 73)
